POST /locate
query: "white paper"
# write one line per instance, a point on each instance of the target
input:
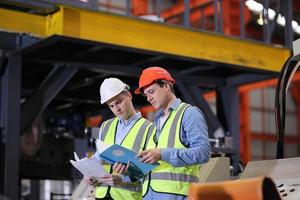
(101, 146)
(90, 167)
(76, 156)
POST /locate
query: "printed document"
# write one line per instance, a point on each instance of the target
(90, 167)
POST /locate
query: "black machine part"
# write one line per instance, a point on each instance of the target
(289, 69)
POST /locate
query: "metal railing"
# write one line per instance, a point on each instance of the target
(283, 8)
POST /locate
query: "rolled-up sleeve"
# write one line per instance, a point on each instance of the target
(194, 135)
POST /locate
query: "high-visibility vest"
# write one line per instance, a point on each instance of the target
(134, 140)
(166, 178)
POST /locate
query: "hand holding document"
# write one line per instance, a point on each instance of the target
(116, 153)
(90, 167)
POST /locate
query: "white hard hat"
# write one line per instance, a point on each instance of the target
(110, 88)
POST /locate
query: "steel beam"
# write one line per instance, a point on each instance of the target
(211, 117)
(10, 119)
(22, 22)
(130, 71)
(50, 87)
(194, 96)
(33, 5)
(247, 78)
(141, 34)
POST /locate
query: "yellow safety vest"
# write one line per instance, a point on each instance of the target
(166, 178)
(134, 140)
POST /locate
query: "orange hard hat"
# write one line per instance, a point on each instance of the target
(151, 74)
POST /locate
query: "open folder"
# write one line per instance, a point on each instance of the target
(90, 167)
(117, 153)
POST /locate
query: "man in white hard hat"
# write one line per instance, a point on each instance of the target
(128, 129)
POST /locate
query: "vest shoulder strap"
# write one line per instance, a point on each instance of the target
(176, 120)
(105, 128)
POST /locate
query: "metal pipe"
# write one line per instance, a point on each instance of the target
(216, 16)
(186, 15)
(288, 13)
(266, 25)
(242, 22)
(158, 8)
(128, 7)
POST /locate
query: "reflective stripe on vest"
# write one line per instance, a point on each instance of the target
(129, 187)
(166, 178)
(106, 126)
(173, 176)
(135, 140)
(140, 136)
(151, 132)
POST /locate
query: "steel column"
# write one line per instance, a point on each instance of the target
(228, 114)
(10, 111)
(2, 125)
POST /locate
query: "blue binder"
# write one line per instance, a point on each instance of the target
(117, 153)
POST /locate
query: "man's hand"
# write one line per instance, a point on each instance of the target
(111, 179)
(149, 156)
(90, 181)
(121, 168)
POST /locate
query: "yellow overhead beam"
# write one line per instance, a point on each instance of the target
(22, 22)
(129, 32)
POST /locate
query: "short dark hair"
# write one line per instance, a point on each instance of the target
(161, 83)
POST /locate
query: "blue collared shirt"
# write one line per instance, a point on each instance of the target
(123, 127)
(194, 135)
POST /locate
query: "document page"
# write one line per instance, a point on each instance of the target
(90, 167)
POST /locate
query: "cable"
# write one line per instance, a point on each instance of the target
(286, 75)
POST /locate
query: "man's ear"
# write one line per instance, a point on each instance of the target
(130, 95)
(168, 86)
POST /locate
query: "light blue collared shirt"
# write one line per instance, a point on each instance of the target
(194, 135)
(123, 127)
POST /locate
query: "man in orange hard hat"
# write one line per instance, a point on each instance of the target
(180, 143)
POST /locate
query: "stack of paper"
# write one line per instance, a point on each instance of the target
(90, 167)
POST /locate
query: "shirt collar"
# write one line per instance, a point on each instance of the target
(134, 117)
(174, 106)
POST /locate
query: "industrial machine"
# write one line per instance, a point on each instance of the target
(284, 172)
